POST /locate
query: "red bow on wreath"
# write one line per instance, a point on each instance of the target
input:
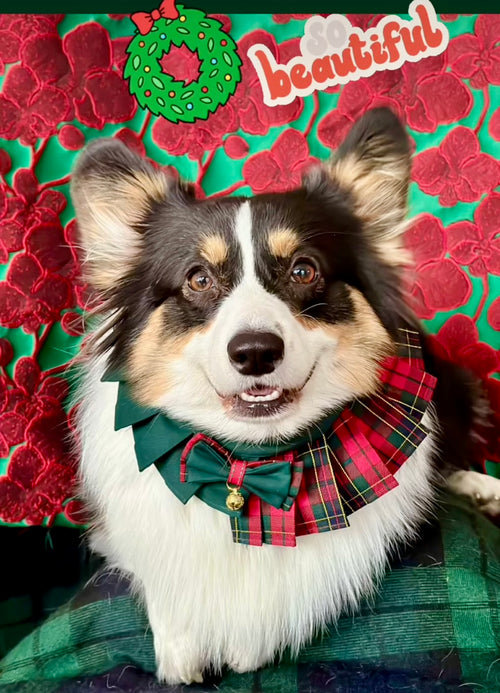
(144, 20)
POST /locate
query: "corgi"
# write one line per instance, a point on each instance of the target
(241, 322)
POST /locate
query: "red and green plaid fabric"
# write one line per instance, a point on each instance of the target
(355, 463)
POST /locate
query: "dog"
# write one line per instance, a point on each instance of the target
(245, 322)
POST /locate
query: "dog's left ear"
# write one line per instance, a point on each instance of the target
(373, 165)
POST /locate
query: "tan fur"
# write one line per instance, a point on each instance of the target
(153, 184)
(151, 354)
(379, 187)
(108, 219)
(283, 242)
(214, 248)
(362, 344)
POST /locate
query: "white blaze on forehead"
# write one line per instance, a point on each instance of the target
(243, 232)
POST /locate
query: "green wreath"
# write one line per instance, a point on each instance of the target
(159, 92)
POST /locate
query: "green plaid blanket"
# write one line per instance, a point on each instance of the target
(434, 626)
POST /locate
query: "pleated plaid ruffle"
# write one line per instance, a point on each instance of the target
(354, 463)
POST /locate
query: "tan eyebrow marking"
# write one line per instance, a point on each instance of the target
(214, 248)
(283, 242)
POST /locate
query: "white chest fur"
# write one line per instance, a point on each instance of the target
(213, 602)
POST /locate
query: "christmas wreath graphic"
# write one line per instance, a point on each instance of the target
(158, 91)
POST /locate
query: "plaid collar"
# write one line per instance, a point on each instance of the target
(311, 484)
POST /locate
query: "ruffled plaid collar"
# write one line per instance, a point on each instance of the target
(311, 483)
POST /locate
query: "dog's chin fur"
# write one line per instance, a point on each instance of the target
(212, 602)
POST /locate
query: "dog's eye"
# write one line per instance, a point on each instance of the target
(304, 272)
(200, 280)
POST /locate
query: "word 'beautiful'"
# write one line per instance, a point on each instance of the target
(356, 53)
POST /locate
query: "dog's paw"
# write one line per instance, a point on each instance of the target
(177, 662)
(483, 490)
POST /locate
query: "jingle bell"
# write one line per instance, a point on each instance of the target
(235, 501)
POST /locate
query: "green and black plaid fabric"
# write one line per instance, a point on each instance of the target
(434, 627)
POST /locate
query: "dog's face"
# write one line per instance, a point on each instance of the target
(249, 318)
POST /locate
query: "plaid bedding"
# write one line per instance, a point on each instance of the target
(433, 627)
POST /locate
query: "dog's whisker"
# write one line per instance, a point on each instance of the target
(315, 305)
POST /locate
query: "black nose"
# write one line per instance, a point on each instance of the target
(255, 353)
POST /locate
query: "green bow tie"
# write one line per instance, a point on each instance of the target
(205, 463)
(161, 441)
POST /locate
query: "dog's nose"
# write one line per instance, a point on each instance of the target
(255, 353)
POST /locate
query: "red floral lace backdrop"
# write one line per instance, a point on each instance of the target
(62, 85)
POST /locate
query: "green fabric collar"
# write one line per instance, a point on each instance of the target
(160, 440)
(162, 434)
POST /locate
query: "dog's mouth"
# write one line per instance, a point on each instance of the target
(262, 400)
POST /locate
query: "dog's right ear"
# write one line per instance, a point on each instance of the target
(113, 190)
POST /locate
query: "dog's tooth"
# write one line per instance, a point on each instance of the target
(246, 397)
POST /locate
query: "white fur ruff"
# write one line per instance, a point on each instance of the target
(210, 601)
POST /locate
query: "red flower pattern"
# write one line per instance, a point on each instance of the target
(32, 394)
(422, 93)
(100, 94)
(456, 170)
(194, 139)
(439, 283)
(494, 314)
(32, 489)
(25, 26)
(28, 297)
(54, 85)
(236, 147)
(9, 49)
(254, 116)
(285, 18)
(28, 108)
(26, 208)
(362, 20)
(79, 76)
(494, 125)
(477, 56)
(40, 473)
(281, 168)
(182, 64)
(458, 341)
(478, 245)
(71, 137)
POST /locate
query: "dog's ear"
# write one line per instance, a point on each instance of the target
(113, 190)
(373, 165)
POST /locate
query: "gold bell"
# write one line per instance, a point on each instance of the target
(235, 501)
